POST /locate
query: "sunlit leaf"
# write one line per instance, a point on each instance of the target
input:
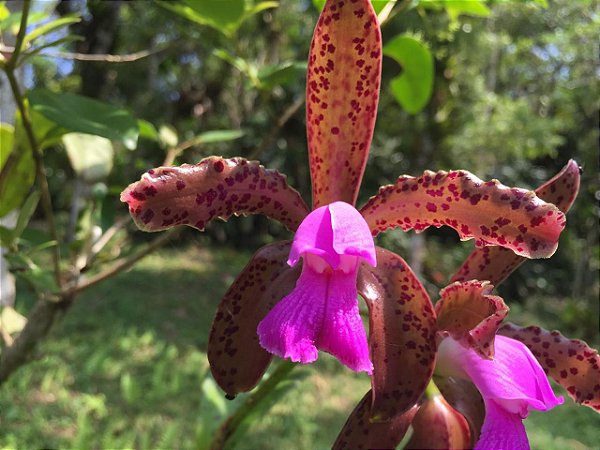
(12, 21)
(50, 27)
(27, 210)
(413, 87)
(225, 17)
(147, 130)
(281, 74)
(91, 156)
(342, 92)
(17, 172)
(7, 133)
(214, 136)
(11, 321)
(455, 8)
(86, 115)
(168, 135)
(378, 5)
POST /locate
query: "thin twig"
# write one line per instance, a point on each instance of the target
(12, 62)
(228, 428)
(94, 57)
(40, 172)
(122, 264)
(272, 134)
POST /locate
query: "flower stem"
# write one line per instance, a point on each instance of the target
(228, 428)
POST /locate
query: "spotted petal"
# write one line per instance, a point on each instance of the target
(360, 432)
(570, 362)
(215, 187)
(438, 425)
(467, 312)
(402, 334)
(236, 359)
(491, 213)
(343, 78)
(497, 263)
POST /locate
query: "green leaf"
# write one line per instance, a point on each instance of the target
(17, 169)
(223, 16)
(147, 130)
(55, 43)
(11, 321)
(259, 7)
(214, 396)
(42, 280)
(25, 214)
(378, 5)
(86, 115)
(4, 12)
(168, 135)
(413, 87)
(455, 8)
(240, 64)
(210, 137)
(12, 21)
(7, 133)
(261, 409)
(281, 74)
(91, 156)
(50, 27)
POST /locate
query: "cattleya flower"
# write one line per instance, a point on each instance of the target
(294, 298)
(509, 379)
(511, 384)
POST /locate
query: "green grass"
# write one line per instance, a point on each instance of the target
(127, 368)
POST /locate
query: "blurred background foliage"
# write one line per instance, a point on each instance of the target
(514, 96)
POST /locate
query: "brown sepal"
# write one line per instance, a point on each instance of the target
(570, 362)
(402, 334)
(237, 360)
(359, 432)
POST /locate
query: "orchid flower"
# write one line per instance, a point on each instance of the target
(496, 379)
(508, 377)
(295, 298)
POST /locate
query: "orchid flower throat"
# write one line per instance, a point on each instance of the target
(322, 312)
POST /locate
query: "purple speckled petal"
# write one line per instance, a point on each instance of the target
(571, 362)
(497, 263)
(501, 430)
(332, 231)
(195, 194)
(343, 334)
(488, 211)
(292, 327)
(513, 379)
(342, 90)
(360, 431)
